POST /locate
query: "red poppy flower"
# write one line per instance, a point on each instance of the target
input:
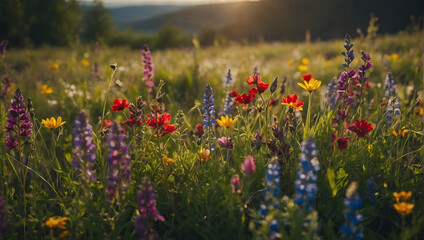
(167, 129)
(119, 105)
(307, 77)
(361, 128)
(199, 130)
(367, 85)
(107, 123)
(234, 93)
(161, 120)
(244, 99)
(292, 101)
(262, 87)
(253, 80)
(342, 143)
(253, 91)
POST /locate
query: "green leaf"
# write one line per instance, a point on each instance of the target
(331, 176)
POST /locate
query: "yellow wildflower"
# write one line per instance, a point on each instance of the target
(305, 61)
(204, 155)
(52, 123)
(226, 121)
(405, 196)
(57, 222)
(168, 160)
(394, 57)
(46, 89)
(85, 62)
(403, 208)
(420, 111)
(401, 132)
(302, 68)
(310, 85)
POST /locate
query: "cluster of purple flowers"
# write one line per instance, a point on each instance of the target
(118, 161)
(84, 148)
(18, 129)
(389, 86)
(362, 77)
(225, 142)
(228, 110)
(147, 67)
(353, 202)
(148, 211)
(305, 184)
(208, 109)
(273, 192)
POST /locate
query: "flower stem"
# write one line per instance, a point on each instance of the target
(308, 117)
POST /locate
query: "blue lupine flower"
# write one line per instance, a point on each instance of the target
(372, 188)
(331, 94)
(305, 185)
(228, 105)
(272, 193)
(389, 86)
(353, 202)
(208, 109)
(229, 80)
(393, 106)
(118, 161)
(84, 148)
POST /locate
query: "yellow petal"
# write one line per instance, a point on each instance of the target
(302, 85)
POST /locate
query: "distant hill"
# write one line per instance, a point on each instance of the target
(276, 20)
(123, 16)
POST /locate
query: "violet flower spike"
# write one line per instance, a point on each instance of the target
(148, 69)
(118, 161)
(84, 148)
(248, 166)
(148, 211)
(19, 126)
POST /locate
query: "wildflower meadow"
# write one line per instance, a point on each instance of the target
(318, 140)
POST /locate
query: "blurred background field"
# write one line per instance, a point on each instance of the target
(62, 55)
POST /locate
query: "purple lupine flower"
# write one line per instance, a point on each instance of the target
(3, 215)
(118, 161)
(305, 184)
(351, 229)
(208, 109)
(225, 142)
(3, 45)
(365, 66)
(19, 126)
(148, 211)
(84, 148)
(389, 86)
(148, 69)
(348, 54)
(248, 166)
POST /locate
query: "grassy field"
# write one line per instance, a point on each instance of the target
(276, 172)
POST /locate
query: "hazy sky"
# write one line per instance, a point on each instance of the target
(159, 2)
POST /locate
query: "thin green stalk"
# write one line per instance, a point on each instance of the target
(308, 117)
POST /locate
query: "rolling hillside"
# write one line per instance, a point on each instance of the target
(280, 19)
